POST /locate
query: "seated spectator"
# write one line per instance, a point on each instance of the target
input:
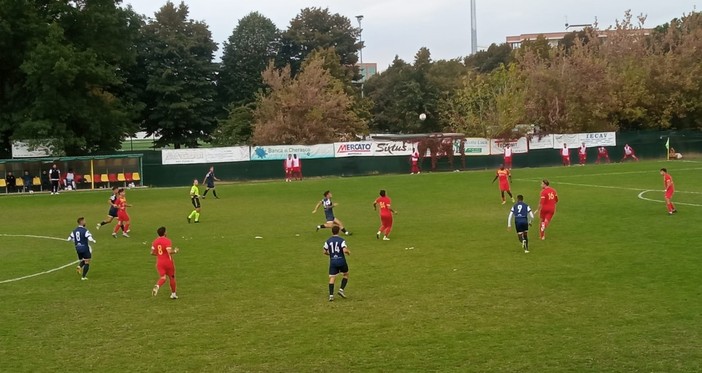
(45, 180)
(70, 180)
(28, 180)
(672, 154)
(11, 182)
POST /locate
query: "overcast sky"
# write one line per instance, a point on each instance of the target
(401, 27)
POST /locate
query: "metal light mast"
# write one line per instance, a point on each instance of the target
(473, 29)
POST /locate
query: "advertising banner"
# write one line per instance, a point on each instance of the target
(545, 142)
(353, 149)
(392, 148)
(21, 149)
(472, 146)
(518, 146)
(280, 152)
(205, 155)
(593, 139)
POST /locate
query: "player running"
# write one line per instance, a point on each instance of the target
(522, 221)
(195, 200)
(385, 215)
(602, 153)
(329, 214)
(669, 190)
(122, 216)
(80, 237)
(112, 212)
(335, 247)
(505, 178)
(209, 181)
(163, 249)
(547, 206)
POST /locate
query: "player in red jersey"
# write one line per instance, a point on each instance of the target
(508, 156)
(505, 178)
(414, 159)
(602, 153)
(288, 166)
(385, 215)
(547, 206)
(297, 168)
(163, 249)
(669, 190)
(122, 216)
(565, 155)
(629, 153)
(582, 154)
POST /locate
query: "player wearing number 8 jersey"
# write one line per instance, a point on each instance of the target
(335, 247)
(547, 206)
(163, 249)
(385, 215)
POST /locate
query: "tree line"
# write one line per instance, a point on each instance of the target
(85, 74)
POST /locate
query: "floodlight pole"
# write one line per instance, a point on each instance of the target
(359, 18)
(473, 29)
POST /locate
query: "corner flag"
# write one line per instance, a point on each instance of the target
(667, 148)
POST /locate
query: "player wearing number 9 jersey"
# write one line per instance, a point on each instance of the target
(163, 249)
(522, 213)
(335, 247)
(547, 206)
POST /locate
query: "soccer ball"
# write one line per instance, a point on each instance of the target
(422, 116)
(31, 191)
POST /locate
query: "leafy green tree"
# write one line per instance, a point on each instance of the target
(490, 59)
(236, 128)
(252, 45)
(176, 54)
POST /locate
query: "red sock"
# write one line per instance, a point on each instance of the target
(119, 224)
(173, 284)
(161, 281)
(387, 231)
(125, 227)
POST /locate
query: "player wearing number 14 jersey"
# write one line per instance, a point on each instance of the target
(547, 206)
(163, 249)
(335, 247)
(385, 215)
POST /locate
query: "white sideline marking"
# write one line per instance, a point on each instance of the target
(657, 200)
(38, 273)
(627, 173)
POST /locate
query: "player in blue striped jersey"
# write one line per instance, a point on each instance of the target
(523, 216)
(335, 247)
(81, 238)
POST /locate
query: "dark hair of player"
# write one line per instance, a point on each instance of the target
(120, 190)
(545, 182)
(664, 170)
(161, 231)
(115, 188)
(520, 198)
(326, 193)
(80, 220)
(382, 192)
(335, 229)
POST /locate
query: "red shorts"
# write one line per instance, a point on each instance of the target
(288, 171)
(386, 221)
(165, 269)
(546, 215)
(582, 157)
(296, 170)
(669, 194)
(508, 160)
(504, 187)
(122, 215)
(415, 167)
(566, 158)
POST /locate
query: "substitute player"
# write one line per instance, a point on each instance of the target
(335, 247)
(414, 159)
(565, 155)
(508, 156)
(297, 168)
(505, 178)
(209, 181)
(329, 213)
(81, 237)
(669, 189)
(122, 216)
(602, 153)
(288, 166)
(385, 215)
(547, 206)
(629, 153)
(582, 154)
(523, 216)
(163, 249)
(112, 212)
(195, 200)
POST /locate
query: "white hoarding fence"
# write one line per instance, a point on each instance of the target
(280, 152)
(545, 142)
(353, 149)
(497, 147)
(205, 155)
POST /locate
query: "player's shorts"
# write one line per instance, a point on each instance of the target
(669, 194)
(386, 221)
(508, 160)
(329, 217)
(196, 202)
(521, 226)
(165, 269)
(210, 185)
(113, 212)
(83, 252)
(122, 215)
(504, 187)
(296, 169)
(338, 267)
(546, 214)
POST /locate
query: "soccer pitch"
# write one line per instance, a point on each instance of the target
(615, 286)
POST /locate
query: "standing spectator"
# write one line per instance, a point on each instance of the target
(28, 181)
(582, 154)
(414, 158)
(45, 181)
(288, 166)
(55, 177)
(297, 168)
(70, 180)
(629, 153)
(565, 155)
(508, 156)
(11, 182)
(602, 153)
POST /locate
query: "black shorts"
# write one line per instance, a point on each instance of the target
(112, 212)
(335, 268)
(196, 202)
(521, 226)
(210, 186)
(83, 252)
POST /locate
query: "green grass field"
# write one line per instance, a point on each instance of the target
(615, 287)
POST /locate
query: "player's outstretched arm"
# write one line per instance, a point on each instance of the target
(153, 250)
(172, 250)
(509, 219)
(493, 180)
(346, 251)
(316, 207)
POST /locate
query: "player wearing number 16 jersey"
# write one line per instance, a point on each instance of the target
(522, 213)
(385, 215)
(336, 249)
(163, 249)
(547, 206)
